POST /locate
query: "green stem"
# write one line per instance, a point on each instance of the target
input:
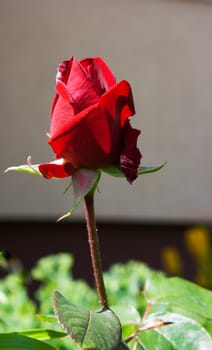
(93, 240)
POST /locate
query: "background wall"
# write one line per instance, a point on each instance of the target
(164, 49)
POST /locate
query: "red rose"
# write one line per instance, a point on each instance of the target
(89, 121)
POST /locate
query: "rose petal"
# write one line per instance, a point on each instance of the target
(130, 156)
(119, 101)
(93, 138)
(63, 112)
(63, 71)
(85, 140)
(53, 170)
(100, 74)
(74, 92)
(80, 88)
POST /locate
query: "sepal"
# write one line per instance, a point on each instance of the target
(26, 168)
(83, 182)
(116, 171)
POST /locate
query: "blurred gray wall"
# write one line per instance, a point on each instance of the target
(164, 49)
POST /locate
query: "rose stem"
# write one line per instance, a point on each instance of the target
(93, 240)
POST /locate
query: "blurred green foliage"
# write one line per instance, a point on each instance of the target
(124, 283)
(143, 299)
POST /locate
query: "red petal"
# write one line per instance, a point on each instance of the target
(63, 112)
(130, 156)
(98, 67)
(80, 88)
(63, 71)
(93, 138)
(118, 101)
(85, 140)
(62, 91)
(74, 92)
(50, 170)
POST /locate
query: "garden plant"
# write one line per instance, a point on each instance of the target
(136, 308)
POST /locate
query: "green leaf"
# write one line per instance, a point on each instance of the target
(91, 330)
(13, 341)
(127, 313)
(42, 334)
(116, 171)
(182, 333)
(83, 181)
(180, 296)
(46, 318)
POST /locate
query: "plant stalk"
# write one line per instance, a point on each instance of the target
(93, 240)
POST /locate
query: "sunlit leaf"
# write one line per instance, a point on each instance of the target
(46, 318)
(127, 313)
(180, 296)
(181, 333)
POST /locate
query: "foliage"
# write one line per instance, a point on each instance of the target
(156, 312)
(17, 309)
(54, 272)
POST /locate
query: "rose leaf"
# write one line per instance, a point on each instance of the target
(91, 330)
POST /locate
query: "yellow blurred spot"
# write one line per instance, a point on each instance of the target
(202, 279)
(171, 260)
(198, 241)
